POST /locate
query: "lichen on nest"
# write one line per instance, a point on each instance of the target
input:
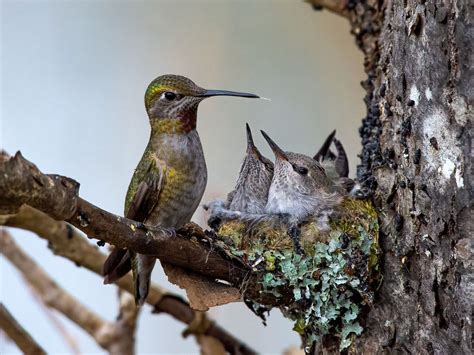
(331, 284)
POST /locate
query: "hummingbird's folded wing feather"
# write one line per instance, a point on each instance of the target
(142, 204)
(342, 163)
(148, 192)
(324, 152)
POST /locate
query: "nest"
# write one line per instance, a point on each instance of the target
(326, 290)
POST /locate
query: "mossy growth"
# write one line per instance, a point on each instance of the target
(331, 284)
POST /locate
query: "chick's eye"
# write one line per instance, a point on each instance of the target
(170, 96)
(300, 169)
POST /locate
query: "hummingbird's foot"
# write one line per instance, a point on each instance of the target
(219, 213)
(294, 232)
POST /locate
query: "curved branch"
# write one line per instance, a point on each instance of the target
(58, 323)
(21, 182)
(53, 295)
(125, 326)
(18, 334)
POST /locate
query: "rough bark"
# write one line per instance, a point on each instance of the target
(417, 157)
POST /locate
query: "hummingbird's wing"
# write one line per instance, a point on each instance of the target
(324, 152)
(144, 200)
(342, 163)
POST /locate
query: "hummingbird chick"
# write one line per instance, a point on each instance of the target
(337, 167)
(300, 189)
(171, 176)
(251, 190)
(250, 193)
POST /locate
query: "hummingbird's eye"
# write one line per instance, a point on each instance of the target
(300, 169)
(168, 95)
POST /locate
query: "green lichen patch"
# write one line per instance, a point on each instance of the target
(327, 289)
(324, 292)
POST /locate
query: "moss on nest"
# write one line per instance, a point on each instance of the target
(330, 284)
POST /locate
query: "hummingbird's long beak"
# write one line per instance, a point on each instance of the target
(210, 93)
(279, 153)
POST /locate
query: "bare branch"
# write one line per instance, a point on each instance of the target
(68, 242)
(53, 295)
(53, 316)
(125, 325)
(337, 6)
(21, 182)
(181, 310)
(18, 334)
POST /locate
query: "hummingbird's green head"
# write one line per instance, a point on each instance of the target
(171, 102)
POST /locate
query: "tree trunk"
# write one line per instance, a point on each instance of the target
(416, 158)
(417, 152)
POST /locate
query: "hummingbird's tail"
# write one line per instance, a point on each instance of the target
(142, 266)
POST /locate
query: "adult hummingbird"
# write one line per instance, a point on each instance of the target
(251, 190)
(171, 176)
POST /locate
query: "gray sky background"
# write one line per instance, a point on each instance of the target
(73, 76)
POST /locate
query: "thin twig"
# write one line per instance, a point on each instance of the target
(126, 325)
(54, 318)
(104, 333)
(18, 334)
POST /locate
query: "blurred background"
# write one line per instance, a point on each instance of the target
(73, 76)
